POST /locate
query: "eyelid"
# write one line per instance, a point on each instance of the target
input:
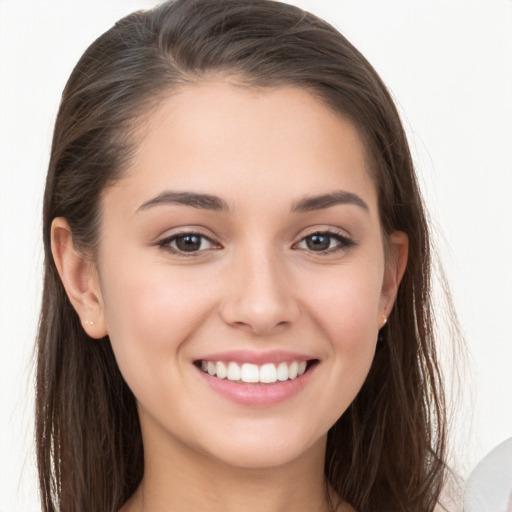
(324, 228)
(345, 241)
(165, 242)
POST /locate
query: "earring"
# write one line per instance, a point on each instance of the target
(87, 322)
(385, 318)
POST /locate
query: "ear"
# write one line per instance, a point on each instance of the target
(396, 262)
(80, 279)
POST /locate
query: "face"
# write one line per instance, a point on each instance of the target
(242, 278)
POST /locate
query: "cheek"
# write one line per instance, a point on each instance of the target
(346, 304)
(150, 314)
(346, 308)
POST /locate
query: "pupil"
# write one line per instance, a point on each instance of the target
(318, 242)
(188, 243)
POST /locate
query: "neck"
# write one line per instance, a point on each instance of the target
(188, 481)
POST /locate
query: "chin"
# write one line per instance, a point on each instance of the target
(266, 451)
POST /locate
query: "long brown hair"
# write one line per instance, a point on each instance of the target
(387, 451)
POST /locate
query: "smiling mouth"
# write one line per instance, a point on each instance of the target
(250, 373)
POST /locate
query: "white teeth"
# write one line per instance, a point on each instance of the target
(249, 373)
(233, 371)
(282, 372)
(268, 373)
(292, 371)
(252, 373)
(222, 371)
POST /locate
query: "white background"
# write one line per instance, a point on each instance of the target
(448, 63)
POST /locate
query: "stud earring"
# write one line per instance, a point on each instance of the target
(385, 318)
(87, 322)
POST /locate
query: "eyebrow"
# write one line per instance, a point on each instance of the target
(319, 202)
(215, 203)
(202, 201)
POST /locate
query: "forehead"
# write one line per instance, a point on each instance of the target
(219, 137)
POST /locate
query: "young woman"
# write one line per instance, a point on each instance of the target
(236, 310)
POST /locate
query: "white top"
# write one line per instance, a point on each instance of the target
(489, 487)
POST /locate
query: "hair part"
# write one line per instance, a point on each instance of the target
(387, 451)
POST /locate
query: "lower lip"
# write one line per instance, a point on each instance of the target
(257, 394)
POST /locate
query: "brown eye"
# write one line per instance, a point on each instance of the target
(325, 242)
(318, 242)
(187, 243)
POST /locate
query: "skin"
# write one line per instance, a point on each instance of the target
(253, 284)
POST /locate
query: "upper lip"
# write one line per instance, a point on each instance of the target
(256, 357)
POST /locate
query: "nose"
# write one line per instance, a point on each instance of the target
(261, 298)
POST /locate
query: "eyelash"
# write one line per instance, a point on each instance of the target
(343, 243)
(166, 243)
